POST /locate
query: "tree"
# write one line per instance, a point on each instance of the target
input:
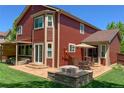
(112, 25)
(120, 26)
(12, 35)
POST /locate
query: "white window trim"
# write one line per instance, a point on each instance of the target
(82, 31)
(51, 50)
(69, 47)
(19, 32)
(42, 25)
(51, 21)
(105, 50)
(35, 51)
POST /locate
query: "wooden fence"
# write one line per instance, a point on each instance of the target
(120, 58)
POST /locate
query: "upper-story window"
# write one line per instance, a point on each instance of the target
(19, 30)
(50, 20)
(39, 22)
(81, 29)
(71, 47)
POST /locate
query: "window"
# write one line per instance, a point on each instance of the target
(81, 29)
(50, 20)
(21, 50)
(38, 22)
(28, 49)
(72, 47)
(103, 50)
(49, 50)
(19, 30)
(25, 49)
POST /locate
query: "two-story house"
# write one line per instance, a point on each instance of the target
(47, 34)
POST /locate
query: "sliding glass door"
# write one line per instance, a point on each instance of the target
(38, 49)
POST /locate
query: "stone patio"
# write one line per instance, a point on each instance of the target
(38, 70)
(42, 71)
(99, 70)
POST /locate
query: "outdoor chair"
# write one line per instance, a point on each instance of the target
(75, 62)
(84, 65)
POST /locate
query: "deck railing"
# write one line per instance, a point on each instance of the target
(120, 58)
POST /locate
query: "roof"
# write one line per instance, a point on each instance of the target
(101, 36)
(15, 42)
(58, 10)
(3, 33)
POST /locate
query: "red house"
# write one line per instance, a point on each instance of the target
(49, 36)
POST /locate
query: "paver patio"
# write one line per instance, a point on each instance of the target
(99, 70)
(43, 72)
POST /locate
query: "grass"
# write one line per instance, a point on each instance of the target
(10, 78)
(111, 79)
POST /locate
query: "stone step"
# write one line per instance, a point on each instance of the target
(36, 66)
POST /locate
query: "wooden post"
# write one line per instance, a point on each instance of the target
(16, 54)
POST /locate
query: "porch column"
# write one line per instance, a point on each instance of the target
(107, 55)
(16, 54)
(99, 54)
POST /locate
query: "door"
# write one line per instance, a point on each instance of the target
(38, 49)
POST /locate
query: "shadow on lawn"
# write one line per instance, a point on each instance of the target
(32, 84)
(103, 84)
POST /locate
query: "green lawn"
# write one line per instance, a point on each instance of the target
(111, 79)
(11, 78)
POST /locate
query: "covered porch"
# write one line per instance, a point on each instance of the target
(95, 53)
(98, 55)
(16, 52)
(23, 52)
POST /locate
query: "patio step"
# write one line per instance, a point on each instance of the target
(36, 66)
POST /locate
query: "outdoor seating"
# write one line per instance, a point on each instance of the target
(85, 65)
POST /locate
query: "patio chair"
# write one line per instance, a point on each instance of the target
(89, 60)
(75, 62)
(84, 65)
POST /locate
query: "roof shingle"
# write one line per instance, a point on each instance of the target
(101, 36)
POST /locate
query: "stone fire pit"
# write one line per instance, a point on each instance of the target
(71, 76)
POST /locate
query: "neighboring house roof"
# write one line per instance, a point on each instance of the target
(102, 36)
(3, 34)
(58, 10)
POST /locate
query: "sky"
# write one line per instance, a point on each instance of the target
(99, 16)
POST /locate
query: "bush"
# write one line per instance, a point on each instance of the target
(118, 67)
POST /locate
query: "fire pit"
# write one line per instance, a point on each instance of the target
(71, 76)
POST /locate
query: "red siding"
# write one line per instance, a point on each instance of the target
(70, 33)
(29, 34)
(38, 36)
(27, 23)
(114, 49)
(49, 34)
(49, 62)
(56, 39)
